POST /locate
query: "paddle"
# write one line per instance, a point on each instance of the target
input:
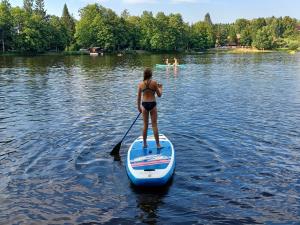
(116, 149)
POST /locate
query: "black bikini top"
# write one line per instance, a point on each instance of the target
(147, 87)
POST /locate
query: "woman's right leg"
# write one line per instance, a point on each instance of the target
(145, 129)
(153, 114)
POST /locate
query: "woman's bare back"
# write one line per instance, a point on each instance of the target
(149, 88)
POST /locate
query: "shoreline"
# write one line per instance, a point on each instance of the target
(223, 50)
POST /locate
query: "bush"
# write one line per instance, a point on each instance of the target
(281, 43)
(73, 47)
(293, 45)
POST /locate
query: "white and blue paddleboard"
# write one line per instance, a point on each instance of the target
(150, 166)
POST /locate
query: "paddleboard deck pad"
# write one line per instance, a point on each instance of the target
(150, 166)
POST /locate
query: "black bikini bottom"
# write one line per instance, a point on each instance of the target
(148, 105)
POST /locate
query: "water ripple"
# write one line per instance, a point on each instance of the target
(233, 119)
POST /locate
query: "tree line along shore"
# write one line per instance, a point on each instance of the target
(29, 29)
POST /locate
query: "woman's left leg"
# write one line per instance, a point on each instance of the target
(145, 129)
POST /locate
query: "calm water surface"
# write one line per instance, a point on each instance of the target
(234, 121)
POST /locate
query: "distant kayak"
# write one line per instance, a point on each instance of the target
(150, 166)
(169, 66)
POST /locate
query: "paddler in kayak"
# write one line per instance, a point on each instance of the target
(167, 62)
(146, 93)
(175, 62)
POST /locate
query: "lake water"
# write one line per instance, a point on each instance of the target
(234, 120)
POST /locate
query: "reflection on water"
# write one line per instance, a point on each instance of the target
(233, 119)
(149, 200)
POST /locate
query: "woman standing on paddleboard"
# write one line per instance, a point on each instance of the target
(146, 92)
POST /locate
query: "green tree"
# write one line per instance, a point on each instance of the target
(277, 27)
(133, 23)
(6, 25)
(127, 27)
(178, 30)
(123, 34)
(246, 37)
(147, 25)
(221, 33)
(289, 25)
(165, 32)
(69, 23)
(40, 7)
(35, 35)
(98, 26)
(104, 35)
(201, 36)
(257, 24)
(125, 14)
(263, 38)
(240, 25)
(116, 28)
(20, 18)
(232, 36)
(207, 19)
(59, 37)
(162, 38)
(28, 5)
(85, 28)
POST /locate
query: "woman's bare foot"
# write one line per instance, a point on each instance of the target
(159, 146)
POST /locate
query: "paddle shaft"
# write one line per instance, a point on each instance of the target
(131, 126)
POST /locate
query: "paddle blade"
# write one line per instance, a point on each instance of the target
(116, 149)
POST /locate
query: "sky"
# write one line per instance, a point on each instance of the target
(221, 11)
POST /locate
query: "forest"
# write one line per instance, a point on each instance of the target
(29, 29)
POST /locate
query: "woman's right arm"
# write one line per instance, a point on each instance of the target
(139, 96)
(159, 90)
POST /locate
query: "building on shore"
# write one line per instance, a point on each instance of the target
(95, 51)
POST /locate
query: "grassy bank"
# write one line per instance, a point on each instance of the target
(250, 50)
(238, 50)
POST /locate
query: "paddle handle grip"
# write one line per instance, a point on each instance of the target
(131, 126)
